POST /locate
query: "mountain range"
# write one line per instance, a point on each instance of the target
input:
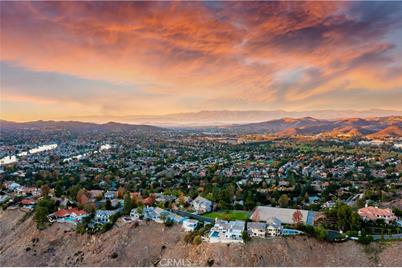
(371, 127)
(74, 126)
(221, 117)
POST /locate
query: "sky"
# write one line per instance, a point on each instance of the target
(62, 60)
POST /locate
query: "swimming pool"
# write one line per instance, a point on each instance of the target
(69, 219)
(214, 234)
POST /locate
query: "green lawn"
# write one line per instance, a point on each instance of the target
(228, 215)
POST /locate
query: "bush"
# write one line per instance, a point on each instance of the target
(365, 239)
(320, 233)
(197, 240)
(41, 217)
(188, 238)
(210, 262)
(168, 222)
(245, 236)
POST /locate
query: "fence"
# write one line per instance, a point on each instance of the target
(194, 216)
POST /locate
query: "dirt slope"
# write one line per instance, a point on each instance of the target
(153, 244)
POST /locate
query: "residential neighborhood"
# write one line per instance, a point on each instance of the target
(223, 192)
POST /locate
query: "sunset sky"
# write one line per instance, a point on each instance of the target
(61, 60)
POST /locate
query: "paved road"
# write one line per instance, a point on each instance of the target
(387, 237)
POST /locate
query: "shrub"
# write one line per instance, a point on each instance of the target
(245, 236)
(365, 239)
(197, 240)
(210, 262)
(168, 222)
(188, 238)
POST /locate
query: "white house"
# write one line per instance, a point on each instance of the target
(109, 195)
(103, 216)
(202, 205)
(190, 225)
(274, 227)
(236, 229)
(134, 214)
(257, 229)
(227, 232)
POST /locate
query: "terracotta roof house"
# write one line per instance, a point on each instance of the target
(374, 213)
(27, 202)
(73, 212)
(149, 201)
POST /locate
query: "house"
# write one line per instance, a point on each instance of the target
(12, 186)
(236, 229)
(149, 201)
(226, 232)
(285, 215)
(31, 191)
(134, 214)
(150, 214)
(274, 227)
(71, 215)
(256, 229)
(28, 202)
(4, 198)
(110, 195)
(190, 225)
(202, 205)
(103, 216)
(160, 215)
(162, 198)
(375, 213)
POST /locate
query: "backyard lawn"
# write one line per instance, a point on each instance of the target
(229, 215)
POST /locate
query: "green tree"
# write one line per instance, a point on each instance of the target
(283, 200)
(245, 236)
(58, 190)
(41, 217)
(108, 205)
(128, 205)
(320, 232)
(197, 240)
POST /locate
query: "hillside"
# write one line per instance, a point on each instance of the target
(391, 131)
(370, 127)
(153, 244)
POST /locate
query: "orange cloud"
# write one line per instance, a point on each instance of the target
(176, 51)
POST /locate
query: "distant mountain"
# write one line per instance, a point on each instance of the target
(280, 124)
(74, 126)
(221, 117)
(371, 127)
(391, 131)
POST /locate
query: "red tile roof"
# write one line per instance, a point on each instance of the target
(373, 213)
(27, 201)
(67, 212)
(148, 201)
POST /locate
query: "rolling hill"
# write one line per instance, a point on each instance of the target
(374, 127)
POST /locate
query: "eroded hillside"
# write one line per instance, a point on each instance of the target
(153, 244)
